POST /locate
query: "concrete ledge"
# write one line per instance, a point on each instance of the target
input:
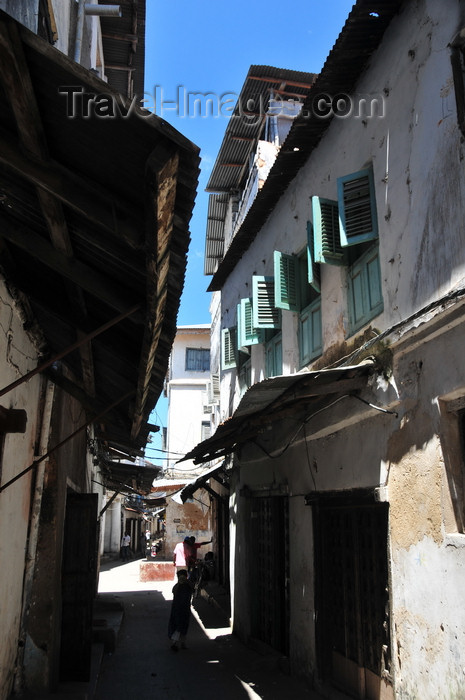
(156, 571)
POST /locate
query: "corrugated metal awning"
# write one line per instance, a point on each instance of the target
(201, 481)
(269, 401)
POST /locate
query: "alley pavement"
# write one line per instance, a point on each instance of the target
(142, 664)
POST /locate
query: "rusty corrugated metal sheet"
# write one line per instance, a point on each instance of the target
(214, 244)
(246, 123)
(269, 398)
(123, 40)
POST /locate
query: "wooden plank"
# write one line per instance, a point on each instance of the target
(85, 197)
(162, 195)
(83, 276)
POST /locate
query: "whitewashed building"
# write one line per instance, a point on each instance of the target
(341, 301)
(189, 392)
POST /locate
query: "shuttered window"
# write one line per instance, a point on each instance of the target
(310, 334)
(365, 296)
(287, 282)
(228, 358)
(357, 208)
(246, 333)
(327, 245)
(274, 356)
(265, 314)
(312, 265)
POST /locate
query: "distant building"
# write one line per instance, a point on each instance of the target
(190, 394)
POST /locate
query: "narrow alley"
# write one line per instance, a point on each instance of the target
(215, 664)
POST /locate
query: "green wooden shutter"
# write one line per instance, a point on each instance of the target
(313, 267)
(287, 285)
(265, 314)
(247, 333)
(327, 245)
(228, 358)
(365, 292)
(357, 208)
(310, 337)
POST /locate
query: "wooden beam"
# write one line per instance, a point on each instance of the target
(133, 38)
(84, 197)
(115, 66)
(161, 194)
(18, 87)
(79, 273)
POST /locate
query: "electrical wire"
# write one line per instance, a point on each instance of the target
(316, 413)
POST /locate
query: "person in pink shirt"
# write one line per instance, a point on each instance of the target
(182, 554)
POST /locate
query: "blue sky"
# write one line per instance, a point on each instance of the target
(207, 46)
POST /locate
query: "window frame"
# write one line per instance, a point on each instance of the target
(271, 366)
(361, 269)
(315, 350)
(246, 333)
(352, 228)
(200, 351)
(265, 313)
(287, 281)
(228, 343)
(326, 234)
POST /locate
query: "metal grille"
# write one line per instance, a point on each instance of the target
(353, 606)
(270, 580)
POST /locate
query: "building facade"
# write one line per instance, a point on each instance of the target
(89, 294)
(339, 304)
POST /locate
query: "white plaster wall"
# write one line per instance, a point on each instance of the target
(18, 357)
(416, 153)
(185, 416)
(193, 337)
(186, 394)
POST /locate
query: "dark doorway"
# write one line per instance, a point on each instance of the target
(269, 571)
(352, 597)
(79, 582)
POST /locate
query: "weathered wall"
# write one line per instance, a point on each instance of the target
(19, 356)
(416, 151)
(186, 394)
(189, 519)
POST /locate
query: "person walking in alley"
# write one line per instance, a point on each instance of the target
(180, 611)
(182, 554)
(125, 542)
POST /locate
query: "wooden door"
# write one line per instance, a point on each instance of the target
(79, 582)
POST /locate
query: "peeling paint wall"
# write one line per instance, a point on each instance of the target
(17, 454)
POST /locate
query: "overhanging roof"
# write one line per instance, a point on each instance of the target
(123, 40)
(360, 37)
(246, 122)
(217, 472)
(273, 399)
(94, 226)
(128, 478)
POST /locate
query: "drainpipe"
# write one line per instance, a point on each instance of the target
(104, 10)
(100, 11)
(34, 525)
